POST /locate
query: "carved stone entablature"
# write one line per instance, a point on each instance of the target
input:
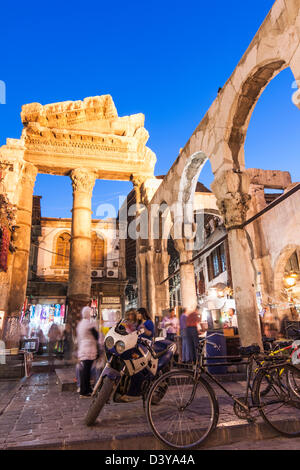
(83, 180)
(89, 133)
(232, 192)
(68, 113)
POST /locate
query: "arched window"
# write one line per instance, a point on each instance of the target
(293, 263)
(97, 251)
(63, 250)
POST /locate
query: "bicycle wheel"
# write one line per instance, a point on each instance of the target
(280, 407)
(294, 381)
(186, 413)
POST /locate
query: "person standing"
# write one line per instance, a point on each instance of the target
(171, 324)
(144, 322)
(130, 318)
(67, 342)
(87, 340)
(192, 323)
(183, 334)
(54, 337)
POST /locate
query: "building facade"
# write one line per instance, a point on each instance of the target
(49, 260)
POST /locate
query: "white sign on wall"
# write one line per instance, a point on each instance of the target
(111, 300)
(1, 319)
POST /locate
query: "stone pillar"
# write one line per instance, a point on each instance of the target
(79, 289)
(232, 192)
(142, 279)
(187, 275)
(141, 248)
(151, 287)
(162, 295)
(19, 277)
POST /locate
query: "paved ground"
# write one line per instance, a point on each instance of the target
(276, 443)
(41, 415)
(7, 391)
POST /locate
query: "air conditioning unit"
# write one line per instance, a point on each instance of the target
(98, 273)
(112, 273)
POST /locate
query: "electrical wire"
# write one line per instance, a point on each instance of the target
(65, 256)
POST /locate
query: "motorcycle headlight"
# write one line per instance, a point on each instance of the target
(109, 342)
(120, 347)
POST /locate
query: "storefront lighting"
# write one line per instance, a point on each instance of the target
(290, 280)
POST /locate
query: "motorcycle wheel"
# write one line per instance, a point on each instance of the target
(99, 401)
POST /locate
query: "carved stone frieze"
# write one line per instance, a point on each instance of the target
(81, 129)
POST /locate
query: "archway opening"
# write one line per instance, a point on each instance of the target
(273, 141)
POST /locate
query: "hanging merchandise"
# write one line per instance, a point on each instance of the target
(57, 311)
(51, 316)
(32, 312)
(44, 312)
(62, 311)
(23, 312)
(38, 310)
(4, 248)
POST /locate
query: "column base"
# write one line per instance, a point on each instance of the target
(12, 332)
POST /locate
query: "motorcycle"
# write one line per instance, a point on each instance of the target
(133, 363)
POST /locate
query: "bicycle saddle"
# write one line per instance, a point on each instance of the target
(249, 350)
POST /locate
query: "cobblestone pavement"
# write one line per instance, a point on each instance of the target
(276, 443)
(7, 388)
(40, 414)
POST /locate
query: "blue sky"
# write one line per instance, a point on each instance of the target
(164, 58)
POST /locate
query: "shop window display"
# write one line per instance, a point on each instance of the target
(40, 317)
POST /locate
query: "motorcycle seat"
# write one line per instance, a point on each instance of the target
(161, 347)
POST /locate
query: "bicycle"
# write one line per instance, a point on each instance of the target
(281, 348)
(188, 410)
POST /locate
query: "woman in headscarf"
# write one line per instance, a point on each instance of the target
(87, 339)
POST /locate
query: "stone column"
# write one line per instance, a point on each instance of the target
(162, 295)
(141, 248)
(79, 289)
(187, 275)
(151, 288)
(142, 279)
(19, 277)
(232, 191)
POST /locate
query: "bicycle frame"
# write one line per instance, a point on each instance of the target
(201, 368)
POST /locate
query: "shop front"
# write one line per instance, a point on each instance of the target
(218, 314)
(40, 313)
(110, 312)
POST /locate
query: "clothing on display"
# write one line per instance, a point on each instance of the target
(42, 316)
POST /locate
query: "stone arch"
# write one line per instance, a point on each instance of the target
(61, 249)
(279, 268)
(251, 89)
(98, 249)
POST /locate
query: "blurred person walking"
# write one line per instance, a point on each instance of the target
(171, 324)
(87, 340)
(183, 334)
(192, 323)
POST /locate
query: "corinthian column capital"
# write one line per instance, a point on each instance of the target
(233, 199)
(83, 180)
